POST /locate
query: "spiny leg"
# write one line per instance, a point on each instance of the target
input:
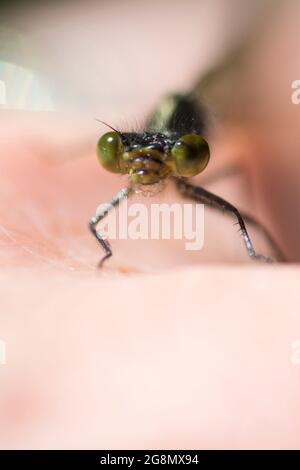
(206, 197)
(123, 194)
(248, 219)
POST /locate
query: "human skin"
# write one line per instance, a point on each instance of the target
(160, 349)
(132, 356)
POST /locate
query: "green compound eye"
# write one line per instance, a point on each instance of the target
(190, 154)
(109, 150)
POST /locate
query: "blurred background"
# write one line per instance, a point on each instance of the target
(81, 55)
(115, 59)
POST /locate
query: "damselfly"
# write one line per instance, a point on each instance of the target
(172, 148)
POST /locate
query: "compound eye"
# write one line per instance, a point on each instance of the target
(109, 150)
(190, 154)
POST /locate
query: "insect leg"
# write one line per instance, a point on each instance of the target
(275, 248)
(124, 193)
(206, 197)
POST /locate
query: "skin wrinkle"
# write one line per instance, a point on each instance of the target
(34, 255)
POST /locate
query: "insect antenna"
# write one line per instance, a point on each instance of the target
(108, 125)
